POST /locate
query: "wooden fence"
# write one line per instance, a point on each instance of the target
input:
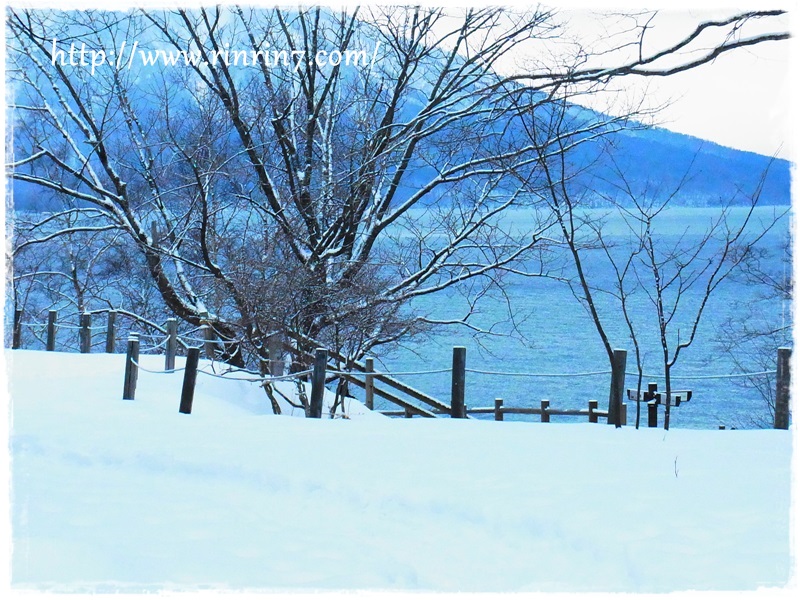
(364, 376)
(330, 364)
(109, 333)
(545, 411)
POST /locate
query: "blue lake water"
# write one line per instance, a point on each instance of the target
(561, 338)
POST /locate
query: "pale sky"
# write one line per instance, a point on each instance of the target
(741, 100)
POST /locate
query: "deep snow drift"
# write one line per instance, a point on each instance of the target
(113, 495)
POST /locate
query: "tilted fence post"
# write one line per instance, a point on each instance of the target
(318, 383)
(782, 387)
(52, 317)
(131, 367)
(617, 387)
(369, 384)
(85, 333)
(16, 334)
(111, 332)
(189, 379)
(457, 407)
(172, 345)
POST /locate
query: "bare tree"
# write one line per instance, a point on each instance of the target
(672, 272)
(287, 176)
(750, 336)
(315, 198)
(678, 274)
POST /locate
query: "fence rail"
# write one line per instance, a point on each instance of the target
(545, 411)
(365, 376)
(355, 370)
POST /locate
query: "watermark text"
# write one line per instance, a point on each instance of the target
(128, 56)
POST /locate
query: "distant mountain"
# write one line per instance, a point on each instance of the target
(651, 157)
(663, 157)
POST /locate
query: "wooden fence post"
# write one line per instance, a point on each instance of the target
(16, 334)
(498, 409)
(85, 333)
(172, 344)
(592, 411)
(52, 317)
(208, 336)
(623, 414)
(782, 386)
(189, 379)
(111, 332)
(318, 383)
(131, 368)
(457, 407)
(652, 414)
(617, 387)
(369, 383)
(407, 413)
(275, 349)
(545, 406)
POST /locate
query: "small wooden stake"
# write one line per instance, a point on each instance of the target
(498, 409)
(592, 411)
(369, 384)
(52, 317)
(318, 383)
(189, 379)
(131, 368)
(457, 407)
(652, 414)
(545, 414)
(172, 345)
(85, 333)
(111, 332)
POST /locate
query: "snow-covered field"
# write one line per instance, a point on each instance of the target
(112, 495)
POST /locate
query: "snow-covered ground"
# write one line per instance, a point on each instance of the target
(113, 495)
